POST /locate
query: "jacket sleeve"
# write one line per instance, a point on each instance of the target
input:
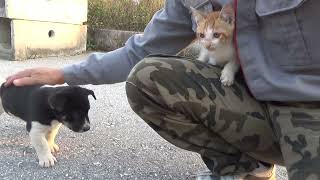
(169, 31)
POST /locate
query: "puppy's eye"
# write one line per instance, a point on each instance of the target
(216, 35)
(201, 35)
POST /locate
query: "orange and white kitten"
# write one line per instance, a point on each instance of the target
(215, 36)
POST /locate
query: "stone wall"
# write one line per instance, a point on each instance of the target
(108, 40)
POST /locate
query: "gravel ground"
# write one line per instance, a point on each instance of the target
(118, 146)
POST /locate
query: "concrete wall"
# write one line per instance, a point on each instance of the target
(2, 9)
(47, 39)
(63, 11)
(2, 3)
(41, 28)
(5, 38)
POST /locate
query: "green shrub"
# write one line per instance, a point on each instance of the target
(122, 14)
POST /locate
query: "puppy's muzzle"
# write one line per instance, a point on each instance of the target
(85, 127)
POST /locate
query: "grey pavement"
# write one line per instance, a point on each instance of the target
(118, 146)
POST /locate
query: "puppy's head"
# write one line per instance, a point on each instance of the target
(70, 105)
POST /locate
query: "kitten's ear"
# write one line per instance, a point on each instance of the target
(197, 15)
(227, 13)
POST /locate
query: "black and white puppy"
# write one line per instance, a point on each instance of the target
(45, 109)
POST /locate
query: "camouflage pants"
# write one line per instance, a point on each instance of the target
(185, 103)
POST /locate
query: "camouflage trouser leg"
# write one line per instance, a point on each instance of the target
(185, 103)
(298, 130)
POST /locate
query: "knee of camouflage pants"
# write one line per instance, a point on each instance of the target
(298, 131)
(185, 103)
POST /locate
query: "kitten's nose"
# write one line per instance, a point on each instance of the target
(208, 46)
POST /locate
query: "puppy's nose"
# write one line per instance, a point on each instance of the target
(86, 128)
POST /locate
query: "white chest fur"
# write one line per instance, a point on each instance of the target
(221, 55)
(224, 56)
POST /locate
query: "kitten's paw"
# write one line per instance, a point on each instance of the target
(47, 160)
(54, 148)
(227, 78)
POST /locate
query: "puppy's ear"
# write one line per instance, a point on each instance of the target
(57, 101)
(89, 92)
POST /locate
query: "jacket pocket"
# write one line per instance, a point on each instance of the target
(284, 37)
(268, 7)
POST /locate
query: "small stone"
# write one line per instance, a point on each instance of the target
(97, 164)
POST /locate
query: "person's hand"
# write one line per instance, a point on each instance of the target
(36, 76)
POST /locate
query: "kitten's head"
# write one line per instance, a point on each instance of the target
(215, 29)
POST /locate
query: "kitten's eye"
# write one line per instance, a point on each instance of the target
(216, 35)
(201, 35)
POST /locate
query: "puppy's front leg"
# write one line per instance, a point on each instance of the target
(228, 72)
(55, 126)
(39, 142)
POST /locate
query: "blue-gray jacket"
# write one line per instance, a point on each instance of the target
(278, 45)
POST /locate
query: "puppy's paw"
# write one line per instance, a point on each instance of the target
(227, 77)
(54, 148)
(47, 160)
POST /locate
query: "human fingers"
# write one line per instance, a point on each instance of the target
(21, 74)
